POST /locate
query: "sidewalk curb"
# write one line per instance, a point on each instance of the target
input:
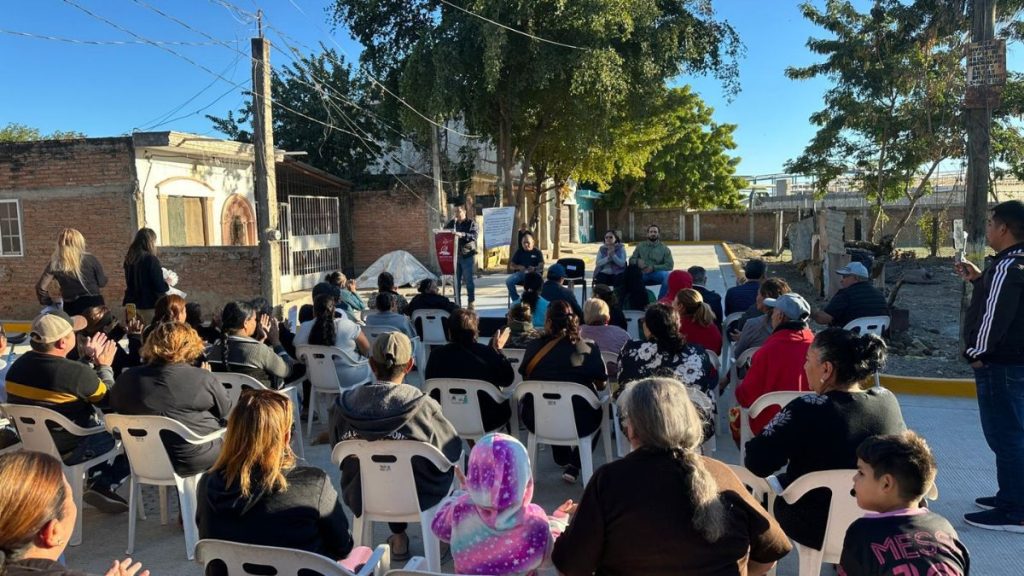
(917, 386)
(736, 268)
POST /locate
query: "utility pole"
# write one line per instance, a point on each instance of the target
(435, 213)
(264, 178)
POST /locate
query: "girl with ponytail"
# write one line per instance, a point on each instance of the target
(664, 508)
(822, 430)
(697, 320)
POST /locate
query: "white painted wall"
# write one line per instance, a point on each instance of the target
(211, 177)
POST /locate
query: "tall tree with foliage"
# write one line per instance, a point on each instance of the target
(894, 111)
(323, 108)
(14, 132)
(515, 91)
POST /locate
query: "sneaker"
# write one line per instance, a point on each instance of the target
(470, 307)
(105, 500)
(994, 520)
(985, 502)
(570, 474)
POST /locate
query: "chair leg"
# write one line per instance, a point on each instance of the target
(134, 505)
(514, 419)
(531, 447)
(358, 538)
(310, 412)
(586, 458)
(163, 505)
(431, 544)
(810, 560)
(76, 478)
(606, 434)
(187, 501)
(137, 493)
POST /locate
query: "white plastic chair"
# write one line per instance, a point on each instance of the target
(555, 423)
(433, 329)
(727, 355)
(622, 445)
(743, 362)
(760, 490)
(234, 383)
(842, 511)
(389, 489)
(633, 318)
(763, 402)
(323, 375)
(151, 465)
(716, 361)
(868, 325)
(31, 424)
(515, 357)
(416, 566)
(460, 404)
(611, 359)
(249, 559)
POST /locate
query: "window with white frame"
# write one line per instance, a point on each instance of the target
(10, 228)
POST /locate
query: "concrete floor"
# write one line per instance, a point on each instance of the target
(951, 426)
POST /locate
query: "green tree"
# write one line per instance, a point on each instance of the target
(322, 108)
(14, 132)
(894, 111)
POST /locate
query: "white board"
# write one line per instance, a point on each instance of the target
(498, 226)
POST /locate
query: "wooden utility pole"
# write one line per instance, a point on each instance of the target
(435, 216)
(264, 178)
(979, 142)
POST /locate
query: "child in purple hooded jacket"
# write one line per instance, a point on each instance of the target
(492, 524)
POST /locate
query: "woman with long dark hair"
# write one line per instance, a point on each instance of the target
(238, 351)
(77, 272)
(143, 275)
(329, 329)
(169, 308)
(531, 297)
(561, 355)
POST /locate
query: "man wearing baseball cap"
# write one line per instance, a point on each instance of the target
(45, 377)
(856, 298)
(388, 409)
(778, 365)
(554, 290)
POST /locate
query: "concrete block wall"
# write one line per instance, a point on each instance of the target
(214, 275)
(388, 220)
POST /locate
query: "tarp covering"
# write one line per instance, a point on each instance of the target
(406, 269)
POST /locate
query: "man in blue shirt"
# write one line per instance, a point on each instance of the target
(741, 298)
(553, 289)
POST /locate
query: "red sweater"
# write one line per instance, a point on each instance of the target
(707, 336)
(777, 366)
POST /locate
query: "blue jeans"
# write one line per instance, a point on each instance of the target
(510, 283)
(1001, 405)
(657, 277)
(465, 271)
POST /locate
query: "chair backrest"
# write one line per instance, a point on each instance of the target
(759, 487)
(234, 383)
(320, 365)
(385, 475)
(140, 436)
(842, 509)
(431, 324)
(515, 357)
(611, 364)
(575, 268)
(372, 332)
(729, 320)
(764, 401)
(868, 325)
(716, 362)
(35, 435)
(552, 407)
(633, 320)
(249, 559)
(460, 402)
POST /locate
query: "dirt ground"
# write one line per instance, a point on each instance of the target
(930, 347)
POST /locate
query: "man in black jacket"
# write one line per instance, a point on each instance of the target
(711, 298)
(994, 341)
(465, 228)
(553, 289)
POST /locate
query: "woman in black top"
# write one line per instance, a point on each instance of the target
(569, 358)
(821, 431)
(77, 272)
(255, 494)
(464, 357)
(143, 275)
(168, 385)
(617, 316)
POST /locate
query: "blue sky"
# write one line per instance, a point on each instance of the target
(109, 90)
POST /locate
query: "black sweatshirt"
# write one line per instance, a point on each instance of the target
(994, 324)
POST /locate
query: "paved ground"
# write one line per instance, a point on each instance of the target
(966, 470)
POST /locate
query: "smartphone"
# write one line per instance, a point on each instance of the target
(130, 312)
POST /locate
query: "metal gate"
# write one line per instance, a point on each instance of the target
(310, 241)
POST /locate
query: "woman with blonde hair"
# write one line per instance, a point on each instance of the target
(37, 518)
(697, 320)
(169, 385)
(664, 508)
(254, 489)
(77, 272)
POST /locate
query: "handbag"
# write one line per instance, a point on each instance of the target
(541, 354)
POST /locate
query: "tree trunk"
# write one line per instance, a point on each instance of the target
(913, 198)
(622, 216)
(556, 249)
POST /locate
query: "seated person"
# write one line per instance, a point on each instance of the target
(37, 518)
(615, 315)
(654, 260)
(532, 298)
(778, 365)
(527, 259)
(168, 385)
(350, 297)
(386, 283)
(99, 319)
(464, 357)
(328, 329)
(756, 330)
(893, 474)
(388, 409)
(635, 295)
(561, 355)
(697, 321)
(741, 298)
(194, 318)
(710, 297)
(519, 320)
(168, 308)
(388, 316)
(677, 280)
(554, 289)
(333, 286)
(610, 263)
(665, 510)
(856, 298)
(429, 298)
(821, 431)
(256, 487)
(238, 351)
(45, 377)
(607, 337)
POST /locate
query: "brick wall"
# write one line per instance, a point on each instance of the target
(83, 184)
(214, 275)
(383, 221)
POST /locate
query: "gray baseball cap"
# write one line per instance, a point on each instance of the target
(854, 269)
(792, 305)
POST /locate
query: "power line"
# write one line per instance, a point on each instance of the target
(511, 29)
(160, 120)
(101, 42)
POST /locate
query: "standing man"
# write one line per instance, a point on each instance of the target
(465, 229)
(654, 259)
(527, 259)
(994, 341)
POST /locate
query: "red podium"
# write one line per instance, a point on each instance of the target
(446, 246)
